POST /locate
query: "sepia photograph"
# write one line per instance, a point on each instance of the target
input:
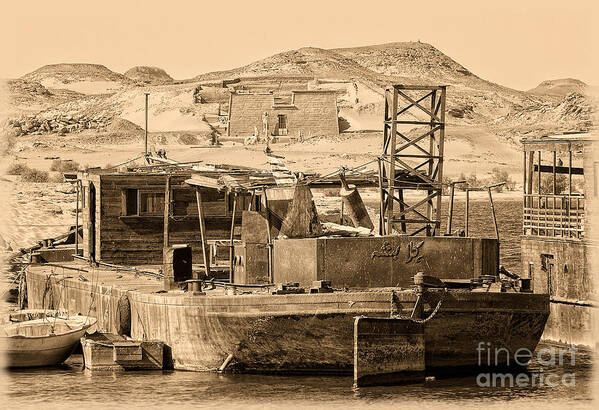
(322, 205)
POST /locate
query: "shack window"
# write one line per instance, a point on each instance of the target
(243, 202)
(130, 202)
(137, 202)
(151, 203)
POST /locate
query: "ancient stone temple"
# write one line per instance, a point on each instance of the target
(301, 114)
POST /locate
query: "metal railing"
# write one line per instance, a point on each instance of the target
(555, 216)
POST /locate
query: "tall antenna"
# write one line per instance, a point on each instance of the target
(147, 97)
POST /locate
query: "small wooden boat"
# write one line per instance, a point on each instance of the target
(47, 341)
(24, 315)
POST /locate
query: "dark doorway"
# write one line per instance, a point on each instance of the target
(282, 124)
(92, 223)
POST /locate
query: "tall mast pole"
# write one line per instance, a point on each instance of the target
(147, 97)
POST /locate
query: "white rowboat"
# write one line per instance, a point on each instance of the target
(42, 342)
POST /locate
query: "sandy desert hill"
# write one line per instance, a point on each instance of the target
(83, 100)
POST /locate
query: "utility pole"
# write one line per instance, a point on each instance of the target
(147, 98)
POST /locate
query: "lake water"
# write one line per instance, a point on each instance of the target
(70, 386)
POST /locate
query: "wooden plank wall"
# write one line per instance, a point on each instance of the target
(135, 240)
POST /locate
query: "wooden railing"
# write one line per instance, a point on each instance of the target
(558, 216)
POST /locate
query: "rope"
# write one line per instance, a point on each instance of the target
(421, 321)
(342, 170)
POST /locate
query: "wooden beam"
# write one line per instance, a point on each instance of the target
(381, 199)
(418, 87)
(539, 174)
(530, 169)
(441, 150)
(391, 172)
(450, 216)
(417, 104)
(406, 108)
(417, 139)
(554, 174)
(493, 212)
(203, 232)
(467, 212)
(559, 169)
(77, 219)
(167, 211)
(231, 247)
(570, 172)
(401, 209)
(269, 243)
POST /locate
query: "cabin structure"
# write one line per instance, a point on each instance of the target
(561, 187)
(302, 113)
(129, 218)
(123, 216)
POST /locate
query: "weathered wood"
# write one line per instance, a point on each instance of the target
(559, 169)
(467, 213)
(381, 196)
(302, 219)
(167, 210)
(493, 212)
(203, 234)
(391, 169)
(539, 173)
(450, 217)
(231, 247)
(355, 206)
(77, 219)
(269, 244)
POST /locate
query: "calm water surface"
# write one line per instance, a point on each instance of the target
(73, 387)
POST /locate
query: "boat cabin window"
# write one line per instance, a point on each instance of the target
(138, 202)
(131, 202)
(184, 202)
(151, 203)
(243, 202)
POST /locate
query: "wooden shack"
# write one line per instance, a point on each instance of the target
(123, 216)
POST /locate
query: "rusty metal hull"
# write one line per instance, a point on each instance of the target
(302, 332)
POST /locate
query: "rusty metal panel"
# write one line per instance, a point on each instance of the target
(388, 351)
(360, 262)
(295, 260)
(382, 261)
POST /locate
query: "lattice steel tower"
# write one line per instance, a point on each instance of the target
(412, 160)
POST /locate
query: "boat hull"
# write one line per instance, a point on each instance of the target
(302, 332)
(38, 351)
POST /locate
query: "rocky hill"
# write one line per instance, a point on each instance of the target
(76, 97)
(70, 73)
(560, 87)
(413, 60)
(81, 78)
(148, 75)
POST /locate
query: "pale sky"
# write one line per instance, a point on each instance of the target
(513, 43)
